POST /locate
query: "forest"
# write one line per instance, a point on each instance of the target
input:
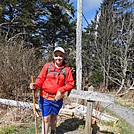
(30, 30)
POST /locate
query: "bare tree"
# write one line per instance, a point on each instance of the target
(114, 46)
(126, 54)
(17, 63)
(121, 72)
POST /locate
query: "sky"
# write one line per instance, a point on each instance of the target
(89, 9)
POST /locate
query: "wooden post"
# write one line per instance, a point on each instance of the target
(89, 117)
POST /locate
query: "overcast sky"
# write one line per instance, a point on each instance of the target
(89, 9)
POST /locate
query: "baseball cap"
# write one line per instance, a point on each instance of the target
(59, 49)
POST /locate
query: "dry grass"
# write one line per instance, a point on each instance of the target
(126, 100)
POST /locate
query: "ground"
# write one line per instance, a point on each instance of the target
(23, 120)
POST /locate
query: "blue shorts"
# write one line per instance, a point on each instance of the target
(49, 106)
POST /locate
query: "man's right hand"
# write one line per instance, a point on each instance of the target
(32, 86)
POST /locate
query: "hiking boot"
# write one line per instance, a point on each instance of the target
(53, 132)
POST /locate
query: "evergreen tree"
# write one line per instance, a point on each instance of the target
(41, 23)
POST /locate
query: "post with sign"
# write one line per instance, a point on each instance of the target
(89, 117)
(91, 97)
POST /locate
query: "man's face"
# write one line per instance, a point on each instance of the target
(58, 58)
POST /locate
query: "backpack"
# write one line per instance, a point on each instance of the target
(63, 72)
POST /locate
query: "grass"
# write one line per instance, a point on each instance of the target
(108, 123)
(126, 100)
(8, 130)
(30, 129)
(124, 127)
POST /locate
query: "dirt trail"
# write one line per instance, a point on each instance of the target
(124, 112)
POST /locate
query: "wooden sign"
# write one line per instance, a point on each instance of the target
(92, 96)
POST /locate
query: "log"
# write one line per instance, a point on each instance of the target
(65, 111)
(19, 104)
(78, 110)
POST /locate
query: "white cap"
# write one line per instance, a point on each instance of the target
(59, 49)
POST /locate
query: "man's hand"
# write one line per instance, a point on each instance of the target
(58, 96)
(32, 86)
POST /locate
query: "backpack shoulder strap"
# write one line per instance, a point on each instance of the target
(63, 72)
(48, 70)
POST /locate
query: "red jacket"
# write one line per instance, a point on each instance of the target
(54, 81)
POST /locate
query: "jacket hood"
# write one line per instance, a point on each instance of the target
(63, 66)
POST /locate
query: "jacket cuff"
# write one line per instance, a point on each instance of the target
(61, 90)
(36, 86)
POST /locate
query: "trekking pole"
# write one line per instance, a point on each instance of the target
(33, 91)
